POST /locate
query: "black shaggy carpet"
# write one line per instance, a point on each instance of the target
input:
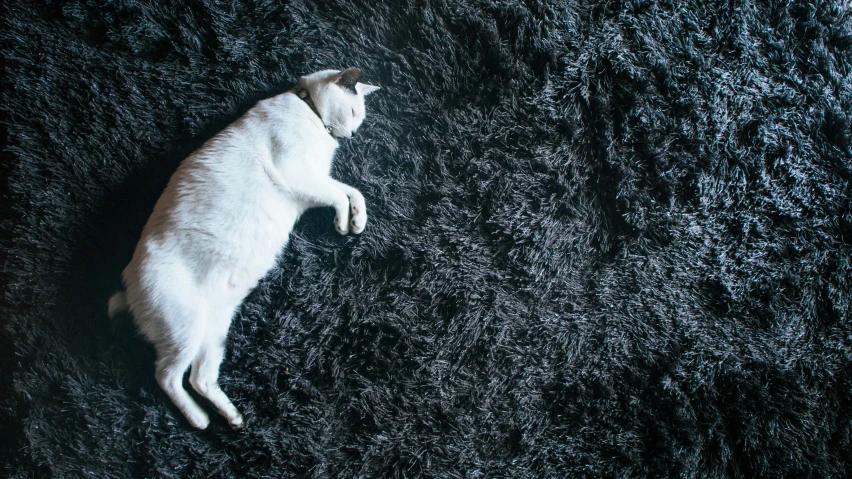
(606, 239)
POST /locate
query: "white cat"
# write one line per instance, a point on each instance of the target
(222, 221)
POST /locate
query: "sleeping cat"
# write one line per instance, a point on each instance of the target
(224, 217)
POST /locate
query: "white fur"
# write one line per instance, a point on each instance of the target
(223, 219)
(118, 302)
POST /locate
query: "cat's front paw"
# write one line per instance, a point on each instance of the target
(359, 219)
(341, 224)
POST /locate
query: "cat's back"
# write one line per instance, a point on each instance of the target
(223, 187)
(234, 179)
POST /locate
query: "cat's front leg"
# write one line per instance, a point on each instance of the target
(357, 208)
(326, 192)
(341, 218)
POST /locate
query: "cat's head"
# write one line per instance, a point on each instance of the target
(339, 98)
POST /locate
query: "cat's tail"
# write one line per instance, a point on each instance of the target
(117, 303)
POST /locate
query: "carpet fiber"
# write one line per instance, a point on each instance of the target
(606, 238)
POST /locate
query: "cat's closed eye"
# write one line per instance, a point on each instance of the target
(353, 113)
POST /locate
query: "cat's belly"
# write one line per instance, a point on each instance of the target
(213, 238)
(217, 266)
(251, 250)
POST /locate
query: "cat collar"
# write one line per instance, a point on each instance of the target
(306, 97)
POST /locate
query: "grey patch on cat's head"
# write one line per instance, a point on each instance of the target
(339, 98)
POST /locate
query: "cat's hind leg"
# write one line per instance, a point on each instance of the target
(172, 315)
(175, 352)
(204, 377)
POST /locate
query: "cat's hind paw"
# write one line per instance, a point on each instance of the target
(237, 422)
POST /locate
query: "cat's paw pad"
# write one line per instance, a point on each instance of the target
(342, 226)
(359, 220)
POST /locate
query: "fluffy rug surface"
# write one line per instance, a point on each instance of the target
(606, 239)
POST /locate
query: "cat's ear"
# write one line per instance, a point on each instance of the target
(348, 78)
(364, 89)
